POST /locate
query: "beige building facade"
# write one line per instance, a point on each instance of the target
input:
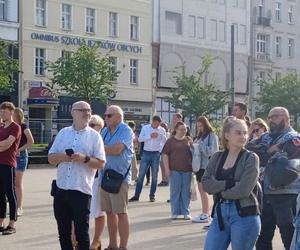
(51, 28)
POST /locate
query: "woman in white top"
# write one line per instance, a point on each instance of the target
(97, 123)
(208, 143)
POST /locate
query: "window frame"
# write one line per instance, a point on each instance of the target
(4, 4)
(42, 11)
(278, 16)
(115, 22)
(64, 16)
(38, 70)
(134, 28)
(291, 48)
(88, 19)
(133, 71)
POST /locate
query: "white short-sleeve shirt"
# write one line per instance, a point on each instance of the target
(77, 175)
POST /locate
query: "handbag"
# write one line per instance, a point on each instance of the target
(112, 180)
(196, 160)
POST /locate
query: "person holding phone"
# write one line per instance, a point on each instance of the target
(78, 150)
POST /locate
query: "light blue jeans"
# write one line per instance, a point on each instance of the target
(180, 192)
(241, 232)
(149, 159)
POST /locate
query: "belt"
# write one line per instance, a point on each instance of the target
(151, 151)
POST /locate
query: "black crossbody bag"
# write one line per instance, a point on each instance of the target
(112, 180)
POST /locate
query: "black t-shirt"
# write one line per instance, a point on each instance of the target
(23, 140)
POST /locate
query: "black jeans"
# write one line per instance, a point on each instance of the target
(278, 210)
(8, 189)
(71, 205)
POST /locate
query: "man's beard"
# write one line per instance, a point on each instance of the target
(276, 128)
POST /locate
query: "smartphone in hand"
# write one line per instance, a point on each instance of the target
(69, 151)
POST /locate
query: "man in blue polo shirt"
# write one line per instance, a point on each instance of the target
(118, 141)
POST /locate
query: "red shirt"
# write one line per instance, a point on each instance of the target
(8, 157)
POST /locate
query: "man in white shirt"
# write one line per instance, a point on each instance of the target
(154, 138)
(78, 151)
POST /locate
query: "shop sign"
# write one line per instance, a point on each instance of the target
(77, 41)
(40, 92)
(52, 101)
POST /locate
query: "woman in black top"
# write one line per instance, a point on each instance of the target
(22, 155)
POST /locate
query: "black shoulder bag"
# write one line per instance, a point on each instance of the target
(112, 180)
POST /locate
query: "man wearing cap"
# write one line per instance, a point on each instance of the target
(279, 205)
(154, 137)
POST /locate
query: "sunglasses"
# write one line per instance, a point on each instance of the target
(256, 130)
(108, 115)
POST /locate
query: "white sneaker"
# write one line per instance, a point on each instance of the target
(202, 218)
(19, 212)
(187, 217)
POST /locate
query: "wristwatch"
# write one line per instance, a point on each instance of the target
(87, 159)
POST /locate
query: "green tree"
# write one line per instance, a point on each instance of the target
(84, 74)
(193, 95)
(8, 66)
(283, 92)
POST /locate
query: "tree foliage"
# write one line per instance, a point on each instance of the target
(193, 95)
(8, 66)
(283, 92)
(84, 74)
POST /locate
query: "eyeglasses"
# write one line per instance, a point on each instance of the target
(108, 115)
(83, 110)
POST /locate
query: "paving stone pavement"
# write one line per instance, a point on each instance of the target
(150, 223)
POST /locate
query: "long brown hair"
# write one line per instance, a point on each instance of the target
(208, 128)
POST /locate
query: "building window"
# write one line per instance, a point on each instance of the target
(261, 42)
(222, 31)
(291, 47)
(201, 27)
(278, 12)
(173, 23)
(40, 59)
(278, 46)
(133, 71)
(113, 64)
(291, 14)
(134, 27)
(243, 34)
(90, 20)
(214, 30)
(242, 4)
(235, 3)
(40, 12)
(2, 9)
(261, 8)
(66, 54)
(66, 16)
(164, 109)
(192, 26)
(113, 24)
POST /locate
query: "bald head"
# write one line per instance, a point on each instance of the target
(113, 116)
(80, 104)
(81, 113)
(279, 119)
(115, 110)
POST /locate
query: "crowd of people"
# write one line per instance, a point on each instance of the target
(251, 169)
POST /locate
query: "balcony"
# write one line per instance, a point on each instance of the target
(264, 21)
(262, 17)
(264, 57)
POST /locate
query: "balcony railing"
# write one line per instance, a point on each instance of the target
(265, 57)
(262, 17)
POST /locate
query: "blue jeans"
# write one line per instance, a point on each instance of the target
(241, 232)
(180, 192)
(149, 159)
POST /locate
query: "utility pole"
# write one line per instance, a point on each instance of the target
(232, 72)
